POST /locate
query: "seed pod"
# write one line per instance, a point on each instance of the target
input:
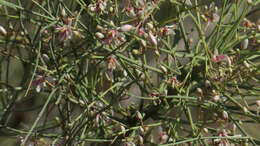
(111, 9)
(136, 52)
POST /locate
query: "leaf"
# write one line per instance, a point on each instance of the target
(11, 5)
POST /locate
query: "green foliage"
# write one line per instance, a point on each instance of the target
(129, 72)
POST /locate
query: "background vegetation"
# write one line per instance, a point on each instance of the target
(100, 72)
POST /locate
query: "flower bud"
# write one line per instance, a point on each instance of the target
(2, 30)
(245, 110)
(143, 43)
(258, 103)
(164, 69)
(206, 130)
(249, 1)
(216, 98)
(225, 115)
(122, 129)
(207, 84)
(199, 91)
(139, 115)
(128, 144)
(152, 39)
(141, 129)
(140, 139)
(63, 12)
(150, 26)
(46, 58)
(99, 35)
(244, 44)
(246, 64)
(126, 28)
(157, 52)
(100, 28)
(78, 34)
(214, 92)
(234, 127)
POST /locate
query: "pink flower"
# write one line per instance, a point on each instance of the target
(110, 36)
(111, 63)
(173, 82)
(167, 30)
(98, 7)
(65, 32)
(38, 83)
(221, 58)
(141, 31)
(113, 36)
(163, 137)
(41, 81)
(222, 142)
(130, 11)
